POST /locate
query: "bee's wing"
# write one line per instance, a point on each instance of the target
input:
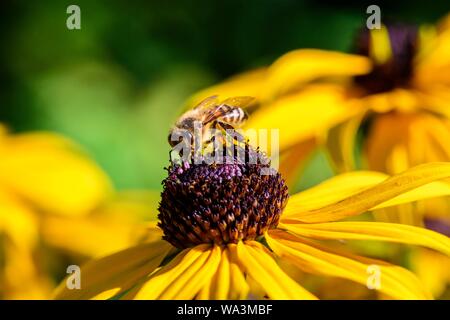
(238, 102)
(219, 110)
(208, 103)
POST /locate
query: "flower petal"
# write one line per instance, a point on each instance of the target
(381, 231)
(332, 190)
(433, 67)
(183, 277)
(120, 270)
(20, 277)
(259, 264)
(394, 281)
(436, 100)
(17, 221)
(433, 269)
(114, 226)
(331, 100)
(392, 191)
(228, 282)
(219, 286)
(301, 66)
(94, 235)
(400, 141)
(340, 143)
(49, 172)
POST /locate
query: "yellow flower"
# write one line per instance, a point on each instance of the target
(230, 246)
(41, 175)
(396, 91)
(120, 222)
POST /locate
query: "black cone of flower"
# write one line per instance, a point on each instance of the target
(220, 202)
(398, 70)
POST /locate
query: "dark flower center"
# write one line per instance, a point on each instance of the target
(438, 225)
(400, 45)
(220, 203)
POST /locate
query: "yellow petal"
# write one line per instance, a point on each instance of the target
(228, 282)
(432, 269)
(192, 279)
(183, 277)
(249, 83)
(399, 99)
(259, 264)
(436, 100)
(20, 277)
(381, 231)
(17, 221)
(340, 144)
(298, 67)
(380, 45)
(117, 225)
(408, 213)
(239, 287)
(398, 141)
(331, 191)
(392, 191)
(49, 172)
(433, 69)
(94, 235)
(394, 281)
(304, 115)
(121, 270)
(387, 142)
(220, 284)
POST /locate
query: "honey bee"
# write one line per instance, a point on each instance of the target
(211, 114)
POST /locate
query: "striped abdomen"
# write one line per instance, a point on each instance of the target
(232, 115)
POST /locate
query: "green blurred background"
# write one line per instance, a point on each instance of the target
(116, 85)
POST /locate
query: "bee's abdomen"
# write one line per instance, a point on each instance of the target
(234, 116)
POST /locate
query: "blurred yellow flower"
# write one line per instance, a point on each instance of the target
(44, 167)
(249, 268)
(123, 220)
(53, 196)
(396, 90)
